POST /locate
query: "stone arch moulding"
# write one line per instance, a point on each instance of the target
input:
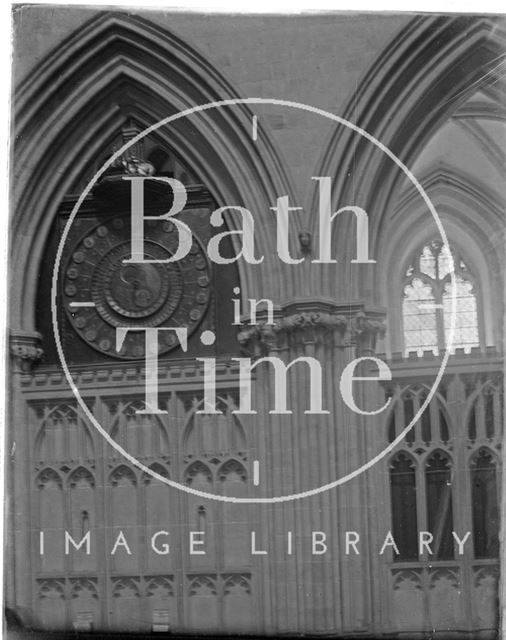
(66, 106)
(431, 68)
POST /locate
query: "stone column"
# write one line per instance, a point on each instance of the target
(329, 592)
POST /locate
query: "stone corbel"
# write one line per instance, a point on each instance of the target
(361, 328)
(25, 350)
(305, 326)
(365, 329)
(258, 339)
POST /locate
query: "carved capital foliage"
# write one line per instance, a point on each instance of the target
(351, 327)
(307, 326)
(25, 349)
(365, 329)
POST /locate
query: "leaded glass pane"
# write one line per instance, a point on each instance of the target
(419, 314)
(444, 262)
(466, 318)
(428, 263)
(428, 300)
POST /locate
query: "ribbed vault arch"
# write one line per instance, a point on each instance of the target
(115, 67)
(423, 76)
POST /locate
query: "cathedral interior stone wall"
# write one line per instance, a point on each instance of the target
(429, 88)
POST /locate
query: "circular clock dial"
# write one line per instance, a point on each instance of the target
(103, 291)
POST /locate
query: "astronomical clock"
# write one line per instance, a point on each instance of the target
(99, 291)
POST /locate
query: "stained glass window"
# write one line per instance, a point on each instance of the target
(427, 302)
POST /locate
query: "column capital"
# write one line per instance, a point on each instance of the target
(349, 325)
(25, 349)
(365, 328)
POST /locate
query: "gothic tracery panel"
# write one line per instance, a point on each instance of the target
(161, 603)
(485, 415)
(408, 610)
(485, 584)
(159, 501)
(237, 607)
(51, 519)
(198, 475)
(216, 434)
(141, 435)
(82, 517)
(51, 604)
(127, 605)
(432, 428)
(404, 509)
(233, 476)
(485, 504)
(428, 301)
(438, 478)
(446, 599)
(63, 436)
(85, 609)
(203, 604)
(124, 517)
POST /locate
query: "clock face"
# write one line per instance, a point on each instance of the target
(102, 292)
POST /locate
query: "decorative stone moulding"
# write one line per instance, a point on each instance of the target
(359, 328)
(25, 349)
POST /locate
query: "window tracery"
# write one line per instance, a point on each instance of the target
(427, 301)
(404, 510)
(438, 487)
(140, 434)
(485, 504)
(408, 482)
(425, 483)
(198, 473)
(433, 426)
(216, 434)
(486, 414)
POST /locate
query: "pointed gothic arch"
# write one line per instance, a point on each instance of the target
(484, 414)
(233, 431)
(427, 71)
(67, 415)
(46, 476)
(435, 424)
(79, 474)
(471, 216)
(119, 66)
